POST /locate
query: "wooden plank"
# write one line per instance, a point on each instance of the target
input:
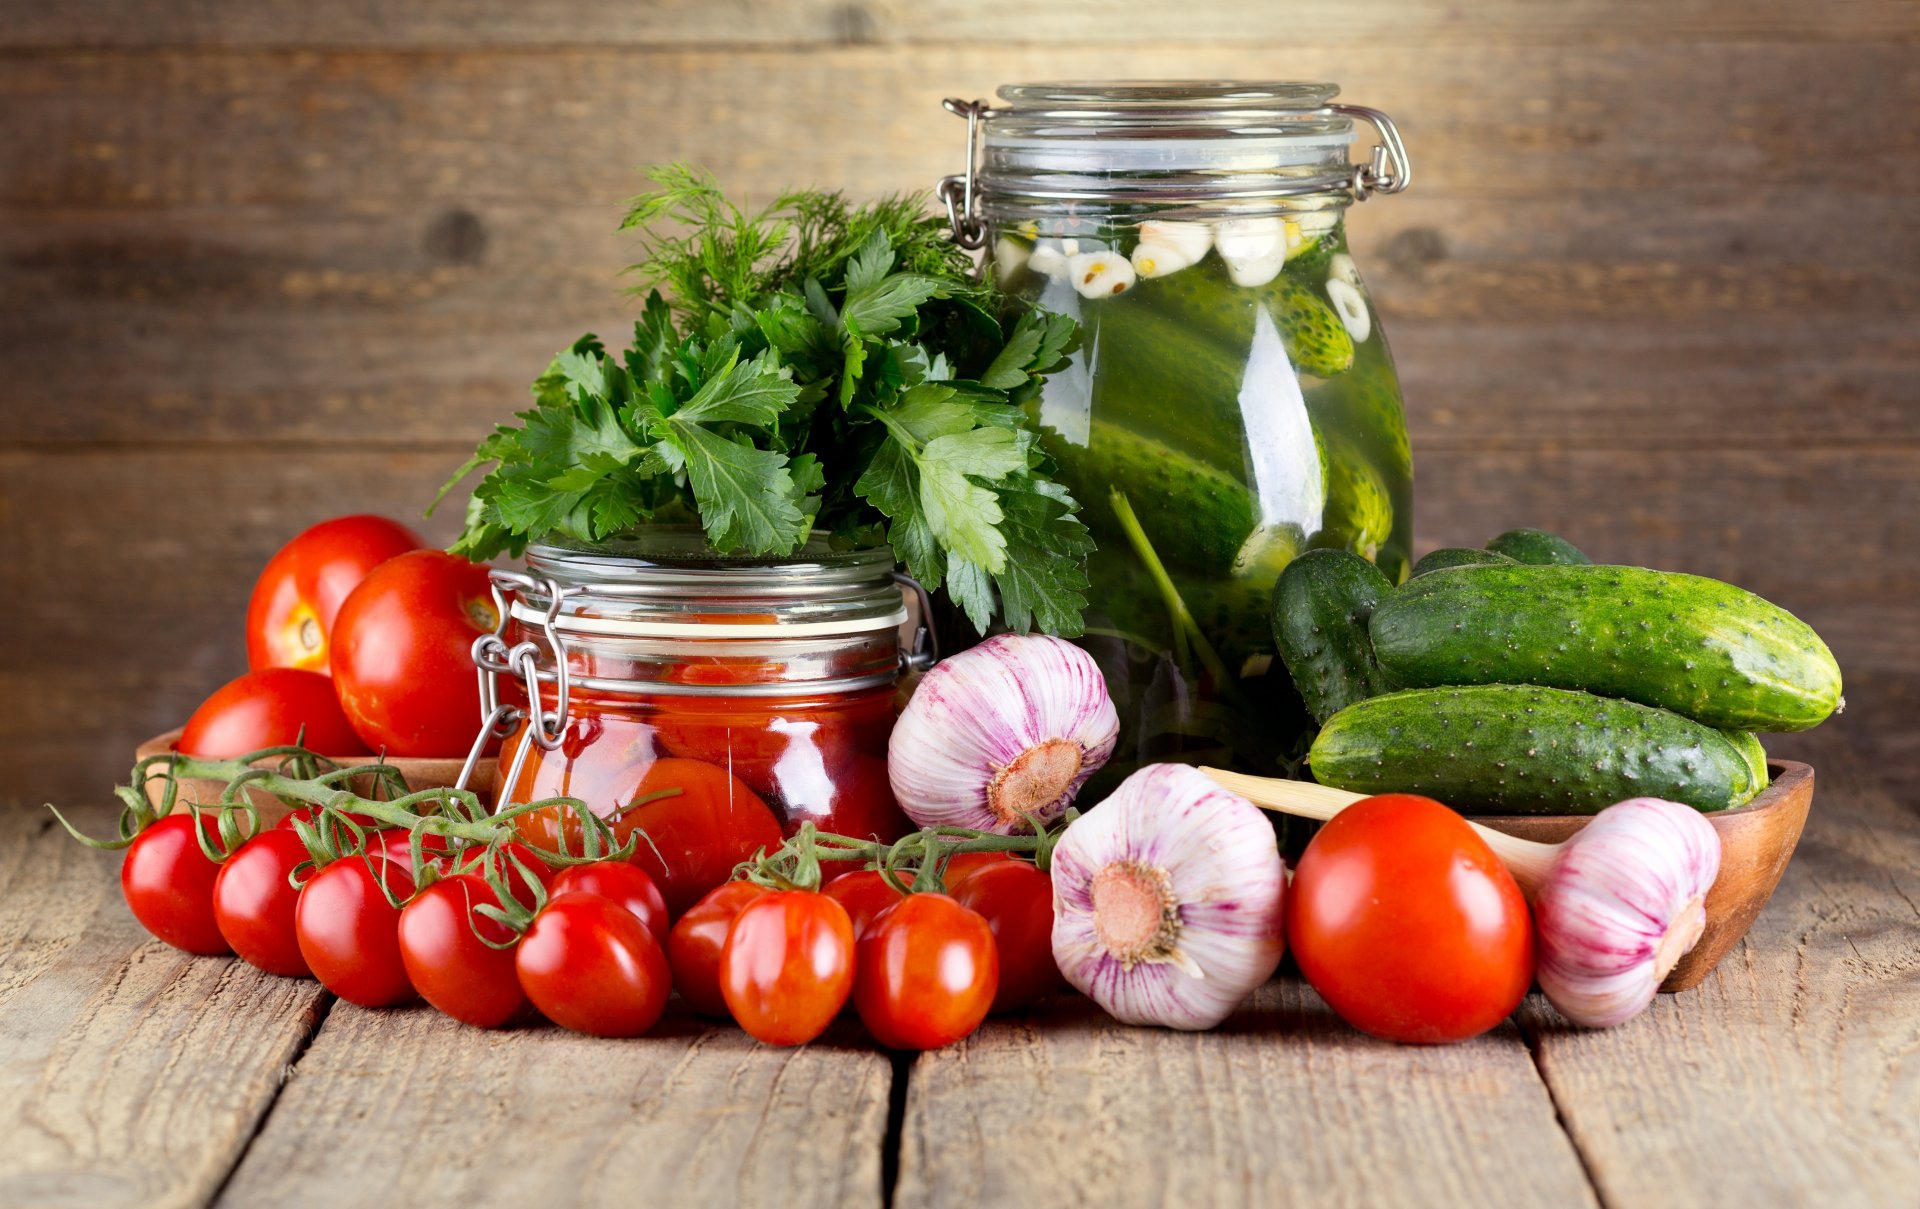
(691, 1115)
(1792, 1076)
(1349, 23)
(358, 130)
(1283, 1105)
(133, 1074)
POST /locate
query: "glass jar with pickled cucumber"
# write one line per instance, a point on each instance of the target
(1230, 401)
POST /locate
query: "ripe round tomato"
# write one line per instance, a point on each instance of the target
(787, 967)
(865, 894)
(269, 708)
(1016, 900)
(168, 884)
(697, 940)
(350, 934)
(396, 844)
(963, 865)
(928, 970)
(1407, 924)
(402, 653)
(446, 960)
(625, 884)
(712, 824)
(590, 965)
(253, 902)
(299, 593)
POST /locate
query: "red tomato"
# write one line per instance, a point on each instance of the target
(590, 965)
(447, 961)
(712, 824)
(625, 884)
(396, 844)
(299, 593)
(1407, 924)
(269, 708)
(697, 939)
(368, 824)
(865, 894)
(1016, 900)
(350, 934)
(253, 902)
(964, 865)
(787, 967)
(168, 884)
(928, 971)
(402, 653)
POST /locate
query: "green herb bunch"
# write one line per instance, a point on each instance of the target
(814, 366)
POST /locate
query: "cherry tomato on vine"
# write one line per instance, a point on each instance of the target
(625, 884)
(447, 961)
(307, 814)
(697, 939)
(1016, 900)
(865, 894)
(787, 967)
(253, 902)
(927, 973)
(272, 707)
(168, 884)
(502, 860)
(590, 965)
(299, 592)
(963, 865)
(350, 934)
(396, 844)
(402, 653)
(706, 823)
(1407, 924)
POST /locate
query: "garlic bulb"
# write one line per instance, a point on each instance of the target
(1167, 900)
(1168, 247)
(1254, 249)
(1011, 728)
(1623, 902)
(1100, 274)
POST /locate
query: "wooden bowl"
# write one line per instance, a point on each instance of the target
(419, 774)
(1755, 844)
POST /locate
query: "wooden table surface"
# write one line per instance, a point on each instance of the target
(132, 1074)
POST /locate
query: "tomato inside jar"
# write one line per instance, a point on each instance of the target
(713, 703)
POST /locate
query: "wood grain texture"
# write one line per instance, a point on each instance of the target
(133, 1074)
(690, 1115)
(1792, 1075)
(1354, 23)
(1282, 1104)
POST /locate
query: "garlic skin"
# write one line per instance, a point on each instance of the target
(1100, 274)
(1168, 900)
(1254, 249)
(1621, 904)
(1010, 728)
(1168, 247)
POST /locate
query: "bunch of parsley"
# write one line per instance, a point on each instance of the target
(815, 366)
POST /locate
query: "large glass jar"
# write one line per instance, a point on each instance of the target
(732, 699)
(1230, 402)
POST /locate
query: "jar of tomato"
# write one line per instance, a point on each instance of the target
(713, 703)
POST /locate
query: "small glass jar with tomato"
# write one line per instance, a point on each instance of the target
(715, 703)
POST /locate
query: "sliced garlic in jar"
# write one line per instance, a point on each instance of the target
(1010, 258)
(1168, 247)
(1342, 268)
(1351, 306)
(1100, 274)
(1254, 249)
(1048, 259)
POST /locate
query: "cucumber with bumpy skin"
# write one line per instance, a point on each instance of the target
(1537, 547)
(1196, 515)
(1447, 557)
(1321, 604)
(1359, 514)
(1504, 748)
(1701, 648)
(1204, 300)
(1748, 745)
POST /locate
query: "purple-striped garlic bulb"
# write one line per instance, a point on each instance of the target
(1168, 900)
(1623, 902)
(1003, 732)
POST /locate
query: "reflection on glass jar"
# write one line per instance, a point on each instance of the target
(714, 705)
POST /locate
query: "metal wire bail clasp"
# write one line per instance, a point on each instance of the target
(969, 229)
(1390, 170)
(493, 658)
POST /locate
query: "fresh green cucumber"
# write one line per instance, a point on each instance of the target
(1205, 300)
(1505, 748)
(1195, 515)
(1447, 557)
(1748, 745)
(1701, 648)
(1321, 603)
(1537, 547)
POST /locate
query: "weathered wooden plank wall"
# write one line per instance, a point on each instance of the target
(1657, 285)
